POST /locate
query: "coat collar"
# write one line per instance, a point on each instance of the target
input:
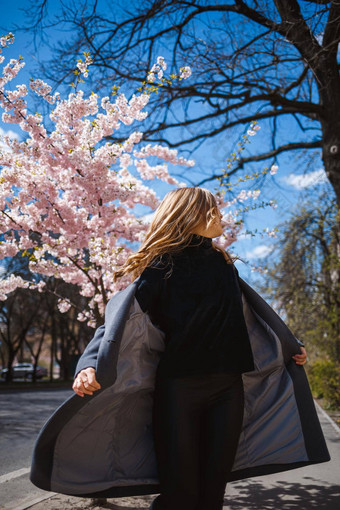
(199, 241)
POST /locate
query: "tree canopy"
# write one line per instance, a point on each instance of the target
(273, 61)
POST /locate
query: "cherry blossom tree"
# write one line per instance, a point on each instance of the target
(68, 196)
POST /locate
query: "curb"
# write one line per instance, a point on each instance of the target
(328, 418)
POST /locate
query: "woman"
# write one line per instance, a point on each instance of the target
(188, 287)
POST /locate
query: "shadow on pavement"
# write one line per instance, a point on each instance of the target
(287, 495)
(254, 495)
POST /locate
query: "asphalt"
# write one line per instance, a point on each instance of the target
(23, 412)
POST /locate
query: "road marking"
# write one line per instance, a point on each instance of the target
(23, 504)
(328, 418)
(14, 474)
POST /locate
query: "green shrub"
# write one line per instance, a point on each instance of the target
(324, 380)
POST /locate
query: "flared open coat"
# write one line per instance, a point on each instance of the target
(102, 445)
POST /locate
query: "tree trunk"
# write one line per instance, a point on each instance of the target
(11, 356)
(328, 81)
(331, 152)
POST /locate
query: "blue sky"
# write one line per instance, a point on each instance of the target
(285, 187)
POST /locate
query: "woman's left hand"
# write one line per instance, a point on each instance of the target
(300, 359)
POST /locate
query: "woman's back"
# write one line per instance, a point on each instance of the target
(199, 307)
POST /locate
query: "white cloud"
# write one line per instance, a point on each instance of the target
(262, 250)
(147, 218)
(307, 180)
(11, 135)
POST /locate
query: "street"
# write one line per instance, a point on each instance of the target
(24, 412)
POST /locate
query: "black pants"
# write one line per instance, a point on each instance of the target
(196, 423)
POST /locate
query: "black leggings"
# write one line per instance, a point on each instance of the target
(197, 422)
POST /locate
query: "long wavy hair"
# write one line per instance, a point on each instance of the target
(177, 216)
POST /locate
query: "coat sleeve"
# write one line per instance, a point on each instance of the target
(149, 289)
(90, 354)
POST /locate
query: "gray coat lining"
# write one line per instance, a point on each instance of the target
(109, 441)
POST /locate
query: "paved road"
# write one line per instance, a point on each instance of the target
(22, 413)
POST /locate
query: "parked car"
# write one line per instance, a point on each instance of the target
(25, 371)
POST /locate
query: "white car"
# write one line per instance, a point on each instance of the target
(25, 371)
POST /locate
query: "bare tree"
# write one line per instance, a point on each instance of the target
(31, 322)
(252, 60)
(37, 338)
(17, 316)
(303, 279)
(304, 275)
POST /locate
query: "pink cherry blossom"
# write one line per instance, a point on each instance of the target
(67, 191)
(70, 194)
(64, 305)
(185, 72)
(161, 62)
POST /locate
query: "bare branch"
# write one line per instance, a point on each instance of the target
(251, 60)
(268, 155)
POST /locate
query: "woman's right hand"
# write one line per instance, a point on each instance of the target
(86, 383)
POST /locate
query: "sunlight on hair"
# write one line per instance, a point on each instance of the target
(179, 214)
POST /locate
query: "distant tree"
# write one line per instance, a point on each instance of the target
(303, 277)
(17, 317)
(252, 60)
(31, 322)
(67, 335)
(303, 280)
(18, 314)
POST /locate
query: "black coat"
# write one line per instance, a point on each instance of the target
(103, 444)
(199, 308)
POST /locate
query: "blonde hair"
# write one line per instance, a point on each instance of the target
(178, 215)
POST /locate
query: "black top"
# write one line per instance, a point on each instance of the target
(199, 307)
